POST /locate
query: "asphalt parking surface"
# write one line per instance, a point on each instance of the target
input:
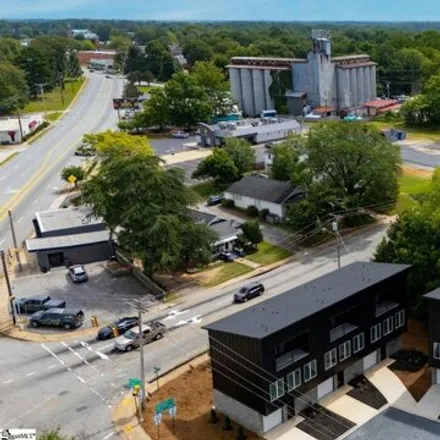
(104, 296)
(164, 145)
(393, 424)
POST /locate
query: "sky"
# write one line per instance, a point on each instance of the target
(275, 10)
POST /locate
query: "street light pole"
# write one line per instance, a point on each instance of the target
(14, 239)
(8, 284)
(141, 351)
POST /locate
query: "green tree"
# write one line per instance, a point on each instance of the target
(75, 171)
(9, 50)
(285, 158)
(135, 61)
(156, 111)
(54, 434)
(13, 88)
(159, 60)
(252, 232)
(219, 166)
(131, 91)
(197, 50)
(187, 101)
(241, 153)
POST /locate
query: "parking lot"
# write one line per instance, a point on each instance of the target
(102, 295)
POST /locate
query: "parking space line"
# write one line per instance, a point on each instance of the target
(109, 435)
(52, 366)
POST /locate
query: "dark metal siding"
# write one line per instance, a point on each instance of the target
(433, 330)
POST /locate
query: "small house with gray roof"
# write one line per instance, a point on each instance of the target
(263, 193)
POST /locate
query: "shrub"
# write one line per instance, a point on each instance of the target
(263, 214)
(42, 126)
(228, 203)
(252, 211)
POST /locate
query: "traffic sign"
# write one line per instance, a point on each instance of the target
(133, 382)
(164, 405)
(72, 178)
(157, 419)
(172, 411)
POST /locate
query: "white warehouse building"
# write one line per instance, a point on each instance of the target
(320, 81)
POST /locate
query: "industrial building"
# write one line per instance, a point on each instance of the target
(12, 130)
(255, 131)
(273, 360)
(320, 80)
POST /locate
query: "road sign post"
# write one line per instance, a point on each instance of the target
(172, 412)
(157, 420)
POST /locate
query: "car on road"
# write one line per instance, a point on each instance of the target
(119, 327)
(180, 135)
(57, 317)
(85, 151)
(78, 273)
(131, 339)
(248, 292)
(214, 200)
(32, 304)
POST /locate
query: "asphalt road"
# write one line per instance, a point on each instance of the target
(75, 384)
(30, 181)
(426, 158)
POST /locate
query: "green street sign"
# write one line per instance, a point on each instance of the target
(133, 382)
(164, 405)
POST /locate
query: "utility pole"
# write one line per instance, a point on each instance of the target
(388, 90)
(141, 351)
(14, 239)
(336, 232)
(42, 98)
(8, 284)
(19, 124)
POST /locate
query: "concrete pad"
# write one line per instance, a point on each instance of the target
(429, 405)
(185, 156)
(391, 387)
(288, 431)
(352, 409)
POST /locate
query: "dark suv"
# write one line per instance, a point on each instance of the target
(248, 292)
(66, 318)
(35, 303)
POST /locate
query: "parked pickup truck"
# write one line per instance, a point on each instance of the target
(131, 339)
(32, 304)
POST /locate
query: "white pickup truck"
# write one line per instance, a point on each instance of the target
(131, 339)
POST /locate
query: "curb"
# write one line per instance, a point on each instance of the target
(23, 335)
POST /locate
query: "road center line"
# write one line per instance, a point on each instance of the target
(31, 374)
(8, 381)
(109, 435)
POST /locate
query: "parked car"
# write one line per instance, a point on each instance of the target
(131, 339)
(180, 135)
(248, 292)
(214, 200)
(121, 326)
(85, 150)
(36, 303)
(78, 273)
(227, 256)
(57, 317)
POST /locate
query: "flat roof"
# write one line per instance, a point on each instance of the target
(250, 130)
(66, 241)
(59, 219)
(259, 67)
(293, 305)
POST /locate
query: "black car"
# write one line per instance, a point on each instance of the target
(121, 326)
(66, 318)
(214, 200)
(248, 292)
(32, 304)
(227, 256)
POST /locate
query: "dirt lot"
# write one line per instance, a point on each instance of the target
(418, 172)
(419, 382)
(192, 392)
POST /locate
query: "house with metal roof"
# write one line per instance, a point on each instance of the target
(274, 359)
(264, 193)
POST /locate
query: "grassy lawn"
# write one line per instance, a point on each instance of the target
(410, 185)
(206, 189)
(52, 100)
(147, 89)
(268, 253)
(51, 117)
(226, 272)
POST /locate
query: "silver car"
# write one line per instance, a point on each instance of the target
(131, 338)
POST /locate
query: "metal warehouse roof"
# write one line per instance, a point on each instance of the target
(66, 218)
(280, 311)
(260, 188)
(66, 241)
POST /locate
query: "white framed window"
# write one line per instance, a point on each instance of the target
(400, 319)
(276, 389)
(294, 379)
(330, 359)
(310, 370)
(344, 351)
(376, 333)
(358, 342)
(388, 326)
(436, 350)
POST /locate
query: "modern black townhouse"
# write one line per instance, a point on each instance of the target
(273, 359)
(434, 333)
